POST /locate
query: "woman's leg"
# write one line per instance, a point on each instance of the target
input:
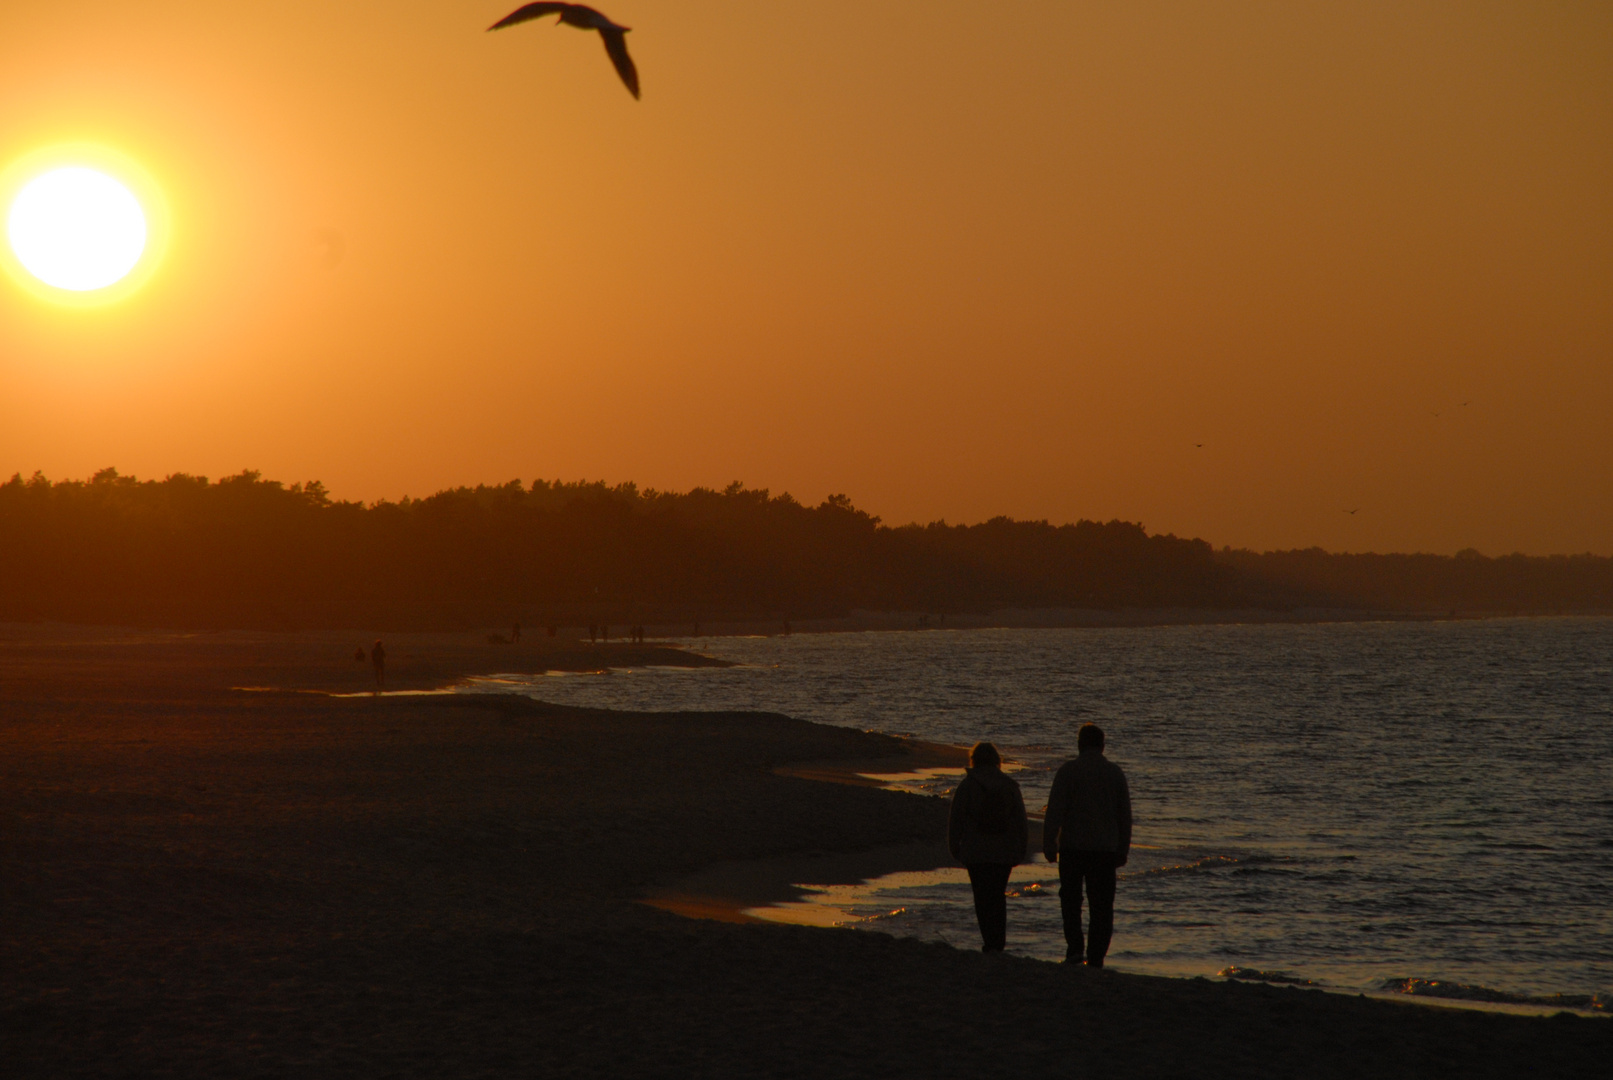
(989, 881)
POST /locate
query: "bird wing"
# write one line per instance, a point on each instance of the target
(616, 48)
(596, 20)
(526, 12)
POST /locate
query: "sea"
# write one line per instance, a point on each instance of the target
(1417, 808)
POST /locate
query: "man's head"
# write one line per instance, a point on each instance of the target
(985, 756)
(1090, 738)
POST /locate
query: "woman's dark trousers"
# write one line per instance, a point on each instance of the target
(990, 884)
(1095, 870)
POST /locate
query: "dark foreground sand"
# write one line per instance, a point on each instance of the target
(202, 882)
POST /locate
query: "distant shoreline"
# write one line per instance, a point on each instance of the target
(668, 643)
(1079, 618)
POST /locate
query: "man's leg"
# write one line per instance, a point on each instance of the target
(1070, 905)
(1099, 872)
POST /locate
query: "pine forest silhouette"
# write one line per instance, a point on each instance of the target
(245, 552)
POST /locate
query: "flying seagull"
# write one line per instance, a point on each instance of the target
(1354, 512)
(583, 18)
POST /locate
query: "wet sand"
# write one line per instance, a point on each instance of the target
(200, 881)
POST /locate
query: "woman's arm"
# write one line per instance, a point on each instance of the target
(955, 819)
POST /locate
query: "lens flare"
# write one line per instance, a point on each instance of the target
(76, 228)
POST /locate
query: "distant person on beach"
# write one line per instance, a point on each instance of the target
(988, 834)
(515, 635)
(1088, 833)
(378, 661)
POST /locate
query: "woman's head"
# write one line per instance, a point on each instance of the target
(985, 756)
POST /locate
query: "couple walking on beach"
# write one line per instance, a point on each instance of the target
(1087, 832)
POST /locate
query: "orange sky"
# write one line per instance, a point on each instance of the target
(952, 259)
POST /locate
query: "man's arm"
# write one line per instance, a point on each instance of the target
(1057, 802)
(1123, 816)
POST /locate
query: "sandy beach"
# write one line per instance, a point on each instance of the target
(201, 880)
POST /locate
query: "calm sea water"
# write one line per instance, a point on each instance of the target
(1354, 805)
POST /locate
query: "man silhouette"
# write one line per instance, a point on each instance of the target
(378, 660)
(1088, 833)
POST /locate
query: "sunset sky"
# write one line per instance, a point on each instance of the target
(954, 260)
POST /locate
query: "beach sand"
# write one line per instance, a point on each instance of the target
(204, 881)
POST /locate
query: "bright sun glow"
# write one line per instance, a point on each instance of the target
(77, 229)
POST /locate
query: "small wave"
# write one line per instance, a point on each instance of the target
(1439, 988)
(1026, 892)
(1204, 862)
(891, 914)
(525, 681)
(1256, 975)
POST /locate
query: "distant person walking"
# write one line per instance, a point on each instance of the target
(378, 661)
(1088, 833)
(987, 833)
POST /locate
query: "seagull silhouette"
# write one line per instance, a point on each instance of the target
(583, 18)
(1354, 512)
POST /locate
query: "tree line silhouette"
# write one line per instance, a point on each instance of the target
(254, 553)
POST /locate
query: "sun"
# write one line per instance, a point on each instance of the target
(83, 225)
(78, 229)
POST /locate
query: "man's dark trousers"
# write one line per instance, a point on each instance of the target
(1096, 871)
(990, 883)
